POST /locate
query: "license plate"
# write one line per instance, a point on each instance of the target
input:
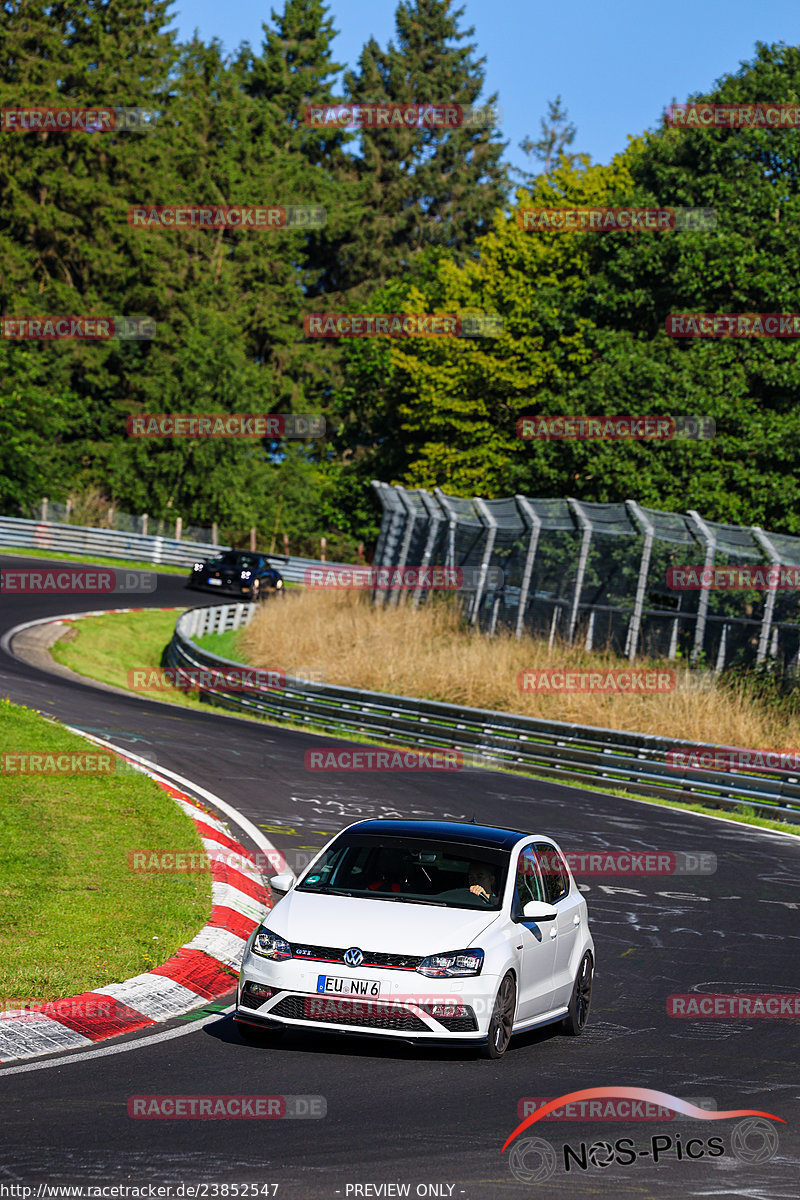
(335, 985)
(215, 582)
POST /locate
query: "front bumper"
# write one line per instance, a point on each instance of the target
(409, 1006)
(242, 591)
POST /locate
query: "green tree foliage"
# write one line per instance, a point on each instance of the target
(418, 220)
(584, 332)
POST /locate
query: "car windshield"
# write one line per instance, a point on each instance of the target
(245, 562)
(410, 870)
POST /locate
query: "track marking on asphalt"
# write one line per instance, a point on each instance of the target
(137, 1044)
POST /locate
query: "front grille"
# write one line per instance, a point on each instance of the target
(251, 998)
(248, 1001)
(372, 958)
(296, 1008)
(459, 1024)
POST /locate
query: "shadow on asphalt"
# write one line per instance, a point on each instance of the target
(296, 1041)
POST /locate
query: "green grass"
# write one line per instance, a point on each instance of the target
(74, 915)
(107, 647)
(59, 556)
(224, 645)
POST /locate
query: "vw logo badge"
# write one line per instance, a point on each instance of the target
(353, 957)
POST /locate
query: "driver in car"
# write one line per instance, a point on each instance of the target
(482, 882)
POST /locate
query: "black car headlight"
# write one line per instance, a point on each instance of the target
(268, 945)
(452, 964)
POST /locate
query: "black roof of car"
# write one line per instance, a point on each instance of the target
(445, 831)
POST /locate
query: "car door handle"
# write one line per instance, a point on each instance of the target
(576, 920)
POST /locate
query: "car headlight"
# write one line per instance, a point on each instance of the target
(269, 945)
(278, 583)
(246, 574)
(456, 962)
(198, 566)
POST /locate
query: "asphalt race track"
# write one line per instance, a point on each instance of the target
(431, 1119)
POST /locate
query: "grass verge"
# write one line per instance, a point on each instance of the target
(74, 916)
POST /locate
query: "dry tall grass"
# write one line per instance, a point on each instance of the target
(428, 652)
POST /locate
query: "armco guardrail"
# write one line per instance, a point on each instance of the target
(552, 749)
(111, 543)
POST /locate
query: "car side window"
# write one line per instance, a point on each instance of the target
(554, 872)
(528, 884)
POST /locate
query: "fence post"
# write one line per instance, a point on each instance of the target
(531, 518)
(434, 521)
(705, 592)
(769, 604)
(178, 528)
(452, 521)
(583, 558)
(408, 533)
(634, 628)
(44, 509)
(491, 524)
(391, 522)
(253, 539)
(144, 524)
(285, 542)
(214, 534)
(323, 544)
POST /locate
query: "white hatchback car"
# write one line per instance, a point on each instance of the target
(423, 931)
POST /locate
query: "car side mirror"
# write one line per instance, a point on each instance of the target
(535, 910)
(283, 882)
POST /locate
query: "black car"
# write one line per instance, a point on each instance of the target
(240, 573)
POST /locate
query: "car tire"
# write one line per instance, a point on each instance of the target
(580, 1001)
(502, 1018)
